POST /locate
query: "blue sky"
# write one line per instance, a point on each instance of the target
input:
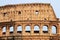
(55, 4)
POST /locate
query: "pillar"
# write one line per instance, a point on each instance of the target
(32, 29)
(15, 29)
(23, 29)
(7, 30)
(50, 29)
(0, 31)
(41, 29)
(57, 29)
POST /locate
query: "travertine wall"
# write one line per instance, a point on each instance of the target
(29, 14)
(59, 26)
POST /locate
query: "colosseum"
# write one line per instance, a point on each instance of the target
(30, 21)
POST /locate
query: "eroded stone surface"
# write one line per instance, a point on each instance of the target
(40, 14)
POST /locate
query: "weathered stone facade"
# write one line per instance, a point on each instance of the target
(33, 14)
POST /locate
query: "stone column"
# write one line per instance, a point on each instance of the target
(41, 29)
(0, 31)
(57, 29)
(49, 29)
(32, 29)
(15, 29)
(23, 29)
(7, 30)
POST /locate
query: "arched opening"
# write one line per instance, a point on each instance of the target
(36, 29)
(4, 30)
(36, 12)
(27, 29)
(54, 30)
(11, 29)
(19, 29)
(45, 29)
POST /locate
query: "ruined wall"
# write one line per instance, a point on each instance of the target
(27, 12)
(59, 25)
(40, 14)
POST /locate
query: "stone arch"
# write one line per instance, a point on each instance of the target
(4, 29)
(36, 29)
(27, 28)
(11, 29)
(19, 29)
(54, 29)
(45, 29)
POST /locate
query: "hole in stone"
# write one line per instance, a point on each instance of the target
(19, 31)
(4, 14)
(4, 33)
(45, 31)
(11, 32)
(36, 12)
(36, 31)
(27, 31)
(19, 12)
(45, 19)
